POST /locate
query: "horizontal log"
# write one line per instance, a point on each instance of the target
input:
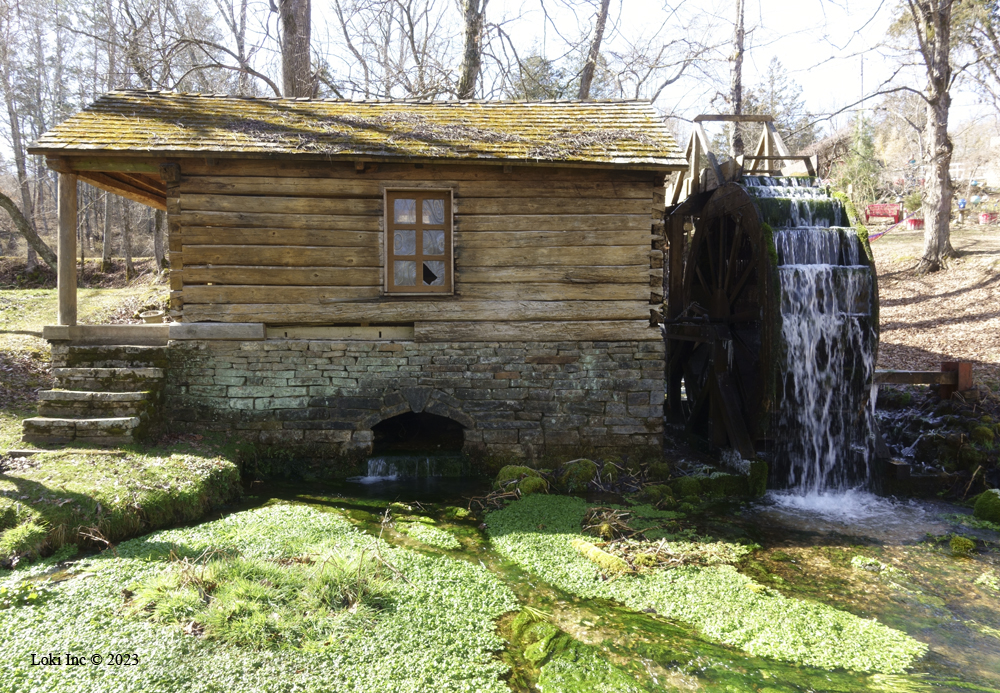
(550, 222)
(627, 330)
(550, 205)
(371, 187)
(280, 256)
(224, 294)
(215, 236)
(388, 172)
(541, 239)
(522, 291)
(535, 257)
(291, 221)
(281, 205)
(125, 189)
(581, 274)
(916, 377)
(283, 276)
(247, 331)
(201, 293)
(389, 310)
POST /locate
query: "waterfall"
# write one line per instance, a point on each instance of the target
(824, 423)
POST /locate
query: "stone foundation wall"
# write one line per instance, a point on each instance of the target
(513, 398)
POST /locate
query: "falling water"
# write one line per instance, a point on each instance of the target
(824, 421)
(393, 467)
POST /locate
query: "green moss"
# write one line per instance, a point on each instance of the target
(988, 506)
(609, 565)
(982, 435)
(538, 532)
(657, 494)
(772, 249)
(532, 484)
(429, 534)
(686, 487)
(576, 475)
(855, 220)
(512, 472)
(23, 541)
(757, 481)
(961, 547)
(660, 471)
(456, 513)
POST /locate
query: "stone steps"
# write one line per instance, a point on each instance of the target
(105, 395)
(82, 404)
(119, 430)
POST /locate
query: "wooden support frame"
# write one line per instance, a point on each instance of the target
(66, 272)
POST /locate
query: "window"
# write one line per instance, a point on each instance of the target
(418, 241)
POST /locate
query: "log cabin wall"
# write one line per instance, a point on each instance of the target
(539, 252)
(545, 349)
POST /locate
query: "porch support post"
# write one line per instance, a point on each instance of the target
(67, 249)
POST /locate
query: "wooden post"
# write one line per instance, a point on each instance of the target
(964, 370)
(67, 249)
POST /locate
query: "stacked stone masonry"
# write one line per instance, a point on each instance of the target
(513, 398)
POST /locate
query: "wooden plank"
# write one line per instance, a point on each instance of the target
(281, 205)
(522, 291)
(340, 187)
(916, 377)
(393, 171)
(206, 235)
(389, 310)
(533, 257)
(66, 265)
(541, 239)
(549, 222)
(627, 330)
(280, 256)
(552, 205)
(292, 221)
(284, 276)
(584, 274)
(225, 294)
(129, 192)
(86, 163)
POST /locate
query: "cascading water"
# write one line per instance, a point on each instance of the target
(823, 425)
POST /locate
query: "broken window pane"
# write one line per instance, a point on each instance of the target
(434, 211)
(433, 273)
(404, 242)
(405, 211)
(433, 242)
(405, 272)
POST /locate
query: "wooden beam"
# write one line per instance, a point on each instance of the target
(66, 276)
(126, 190)
(733, 118)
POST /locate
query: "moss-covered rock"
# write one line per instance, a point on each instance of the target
(513, 472)
(961, 547)
(659, 471)
(970, 457)
(988, 506)
(608, 563)
(656, 494)
(575, 475)
(532, 484)
(983, 435)
(686, 486)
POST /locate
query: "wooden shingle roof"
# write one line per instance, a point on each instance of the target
(620, 134)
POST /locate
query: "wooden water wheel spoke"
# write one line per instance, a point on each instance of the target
(741, 284)
(738, 237)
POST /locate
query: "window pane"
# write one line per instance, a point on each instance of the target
(433, 211)
(405, 273)
(433, 242)
(404, 242)
(404, 211)
(434, 273)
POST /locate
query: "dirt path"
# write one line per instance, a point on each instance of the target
(944, 316)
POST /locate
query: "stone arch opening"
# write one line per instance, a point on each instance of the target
(414, 432)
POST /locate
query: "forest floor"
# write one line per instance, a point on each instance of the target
(953, 315)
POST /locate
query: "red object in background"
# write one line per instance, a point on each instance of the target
(889, 211)
(914, 224)
(987, 217)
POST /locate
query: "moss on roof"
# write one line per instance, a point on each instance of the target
(589, 133)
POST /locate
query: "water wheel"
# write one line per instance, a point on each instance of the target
(723, 348)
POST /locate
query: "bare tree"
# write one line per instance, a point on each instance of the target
(736, 81)
(474, 14)
(296, 28)
(595, 51)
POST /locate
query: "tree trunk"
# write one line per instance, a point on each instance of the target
(595, 52)
(933, 22)
(295, 18)
(472, 56)
(736, 82)
(107, 247)
(161, 263)
(23, 225)
(127, 240)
